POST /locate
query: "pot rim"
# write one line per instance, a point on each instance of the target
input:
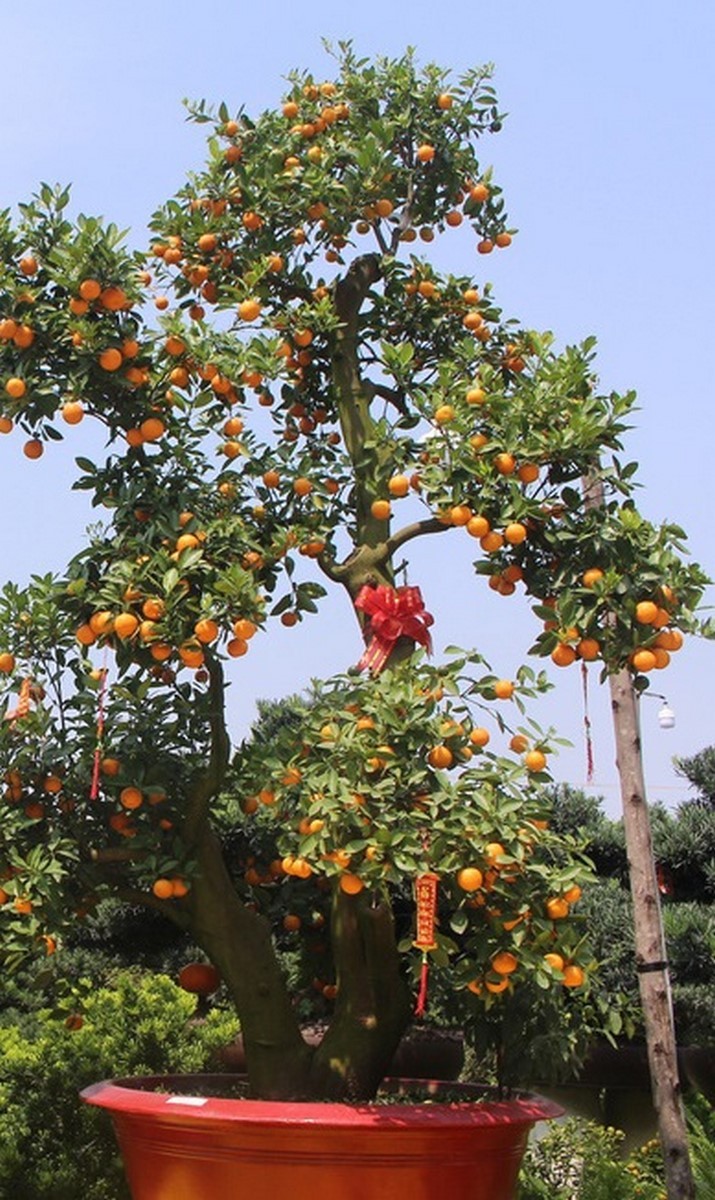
(129, 1098)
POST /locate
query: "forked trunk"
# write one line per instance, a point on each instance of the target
(373, 1004)
(371, 1013)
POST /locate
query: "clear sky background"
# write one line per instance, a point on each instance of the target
(608, 164)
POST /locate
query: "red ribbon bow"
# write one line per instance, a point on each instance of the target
(393, 613)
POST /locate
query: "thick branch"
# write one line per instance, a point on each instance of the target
(173, 910)
(373, 1006)
(394, 396)
(405, 220)
(115, 854)
(353, 398)
(354, 286)
(364, 565)
(380, 237)
(209, 782)
(333, 570)
(238, 941)
(650, 944)
(416, 529)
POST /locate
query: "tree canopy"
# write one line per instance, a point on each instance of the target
(282, 375)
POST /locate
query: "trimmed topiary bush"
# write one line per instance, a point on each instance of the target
(53, 1147)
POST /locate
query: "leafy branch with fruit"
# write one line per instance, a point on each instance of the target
(292, 393)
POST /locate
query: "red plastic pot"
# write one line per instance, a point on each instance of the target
(184, 1144)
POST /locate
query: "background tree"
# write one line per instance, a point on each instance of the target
(684, 851)
(700, 770)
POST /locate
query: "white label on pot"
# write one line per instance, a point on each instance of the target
(192, 1101)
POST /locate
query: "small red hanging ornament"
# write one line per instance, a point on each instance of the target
(587, 724)
(99, 747)
(426, 898)
(392, 613)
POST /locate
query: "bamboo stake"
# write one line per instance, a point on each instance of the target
(651, 964)
(650, 948)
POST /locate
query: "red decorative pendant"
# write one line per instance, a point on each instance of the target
(426, 897)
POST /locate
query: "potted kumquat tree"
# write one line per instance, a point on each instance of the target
(293, 394)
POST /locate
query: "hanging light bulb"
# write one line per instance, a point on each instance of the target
(666, 715)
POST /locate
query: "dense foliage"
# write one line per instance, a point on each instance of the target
(50, 1144)
(684, 850)
(580, 1160)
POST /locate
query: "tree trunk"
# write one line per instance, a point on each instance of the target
(653, 978)
(371, 1013)
(373, 1002)
(239, 943)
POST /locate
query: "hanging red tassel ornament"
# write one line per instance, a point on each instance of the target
(99, 748)
(393, 613)
(426, 897)
(587, 724)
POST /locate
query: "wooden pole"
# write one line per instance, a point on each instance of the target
(650, 948)
(651, 964)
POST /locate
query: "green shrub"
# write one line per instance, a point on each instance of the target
(684, 848)
(582, 815)
(685, 843)
(700, 770)
(701, 1128)
(113, 937)
(580, 1160)
(133, 936)
(54, 1147)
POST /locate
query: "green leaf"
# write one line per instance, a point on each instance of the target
(170, 580)
(458, 921)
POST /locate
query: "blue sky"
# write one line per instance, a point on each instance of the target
(608, 164)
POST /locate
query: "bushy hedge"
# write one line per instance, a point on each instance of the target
(684, 847)
(54, 1147)
(580, 1160)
